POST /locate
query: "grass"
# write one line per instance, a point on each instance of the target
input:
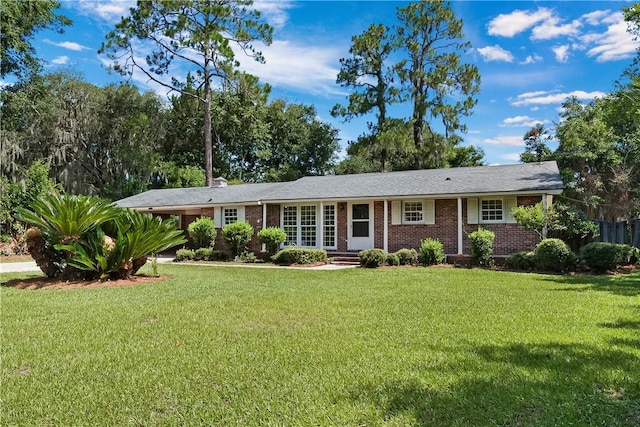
(395, 347)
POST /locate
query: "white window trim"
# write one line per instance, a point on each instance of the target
(491, 221)
(404, 211)
(319, 223)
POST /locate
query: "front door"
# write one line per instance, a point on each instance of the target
(360, 226)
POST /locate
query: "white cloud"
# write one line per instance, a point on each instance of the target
(614, 44)
(561, 53)
(60, 60)
(68, 45)
(543, 98)
(550, 29)
(510, 24)
(495, 53)
(522, 121)
(532, 59)
(108, 10)
(297, 66)
(274, 12)
(505, 140)
(596, 17)
(512, 157)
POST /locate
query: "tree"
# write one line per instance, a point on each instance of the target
(20, 21)
(200, 34)
(439, 85)
(536, 150)
(367, 74)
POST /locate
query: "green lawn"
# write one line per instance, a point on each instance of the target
(396, 347)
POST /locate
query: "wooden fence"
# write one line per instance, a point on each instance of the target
(620, 232)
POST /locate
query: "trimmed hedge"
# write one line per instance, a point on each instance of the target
(431, 251)
(272, 238)
(237, 236)
(184, 255)
(554, 255)
(295, 255)
(602, 256)
(521, 261)
(406, 257)
(372, 258)
(393, 259)
(481, 242)
(202, 232)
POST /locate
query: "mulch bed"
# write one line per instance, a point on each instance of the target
(33, 283)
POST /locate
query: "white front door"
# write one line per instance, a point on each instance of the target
(360, 226)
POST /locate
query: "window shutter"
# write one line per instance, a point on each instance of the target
(396, 212)
(217, 217)
(429, 211)
(241, 215)
(509, 204)
(472, 211)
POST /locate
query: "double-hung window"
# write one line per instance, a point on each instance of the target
(230, 215)
(491, 210)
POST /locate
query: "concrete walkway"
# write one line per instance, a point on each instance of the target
(27, 266)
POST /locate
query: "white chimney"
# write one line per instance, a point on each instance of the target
(219, 182)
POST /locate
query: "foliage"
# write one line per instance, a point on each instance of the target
(295, 255)
(393, 259)
(536, 150)
(407, 256)
(202, 37)
(481, 242)
(521, 261)
(237, 236)
(534, 218)
(87, 237)
(203, 254)
(184, 255)
(52, 118)
(571, 225)
(202, 232)
(431, 251)
(602, 256)
(20, 21)
(372, 258)
(554, 255)
(272, 238)
(438, 84)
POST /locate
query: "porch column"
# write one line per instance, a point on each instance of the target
(264, 222)
(544, 216)
(460, 251)
(385, 228)
(321, 222)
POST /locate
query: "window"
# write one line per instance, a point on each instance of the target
(491, 210)
(230, 215)
(290, 224)
(413, 212)
(329, 222)
(308, 226)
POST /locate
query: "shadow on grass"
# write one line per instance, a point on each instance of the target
(519, 384)
(626, 285)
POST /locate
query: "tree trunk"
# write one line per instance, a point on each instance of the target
(208, 144)
(38, 251)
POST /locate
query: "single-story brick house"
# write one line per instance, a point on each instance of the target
(390, 210)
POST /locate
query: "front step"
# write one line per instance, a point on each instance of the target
(344, 258)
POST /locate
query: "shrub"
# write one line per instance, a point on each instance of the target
(295, 255)
(203, 254)
(184, 255)
(217, 255)
(431, 251)
(407, 256)
(237, 235)
(554, 255)
(202, 232)
(393, 259)
(272, 238)
(482, 247)
(521, 261)
(372, 258)
(601, 256)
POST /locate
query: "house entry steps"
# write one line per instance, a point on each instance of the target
(344, 258)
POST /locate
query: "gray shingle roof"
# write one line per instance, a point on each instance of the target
(528, 177)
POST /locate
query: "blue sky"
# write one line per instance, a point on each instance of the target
(531, 56)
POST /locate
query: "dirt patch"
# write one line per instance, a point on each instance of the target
(46, 283)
